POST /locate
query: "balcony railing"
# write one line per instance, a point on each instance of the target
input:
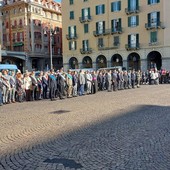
(154, 43)
(116, 30)
(115, 46)
(135, 46)
(154, 25)
(103, 32)
(71, 37)
(132, 10)
(85, 19)
(86, 51)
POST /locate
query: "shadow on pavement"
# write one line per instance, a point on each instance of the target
(136, 140)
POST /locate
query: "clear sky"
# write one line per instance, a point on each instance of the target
(58, 0)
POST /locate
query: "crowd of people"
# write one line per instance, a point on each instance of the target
(18, 87)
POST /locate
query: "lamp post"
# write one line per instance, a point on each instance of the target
(51, 34)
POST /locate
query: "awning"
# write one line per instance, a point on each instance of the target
(18, 44)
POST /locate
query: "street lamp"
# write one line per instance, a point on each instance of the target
(51, 34)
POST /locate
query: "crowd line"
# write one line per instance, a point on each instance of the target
(18, 87)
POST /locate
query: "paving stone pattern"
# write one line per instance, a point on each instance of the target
(124, 130)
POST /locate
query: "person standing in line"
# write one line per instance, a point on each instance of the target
(61, 83)
(81, 83)
(6, 87)
(45, 84)
(138, 78)
(114, 80)
(94, 82)
(99, 80)
(13, 86)
(125, 76)
(129, 79)
(34, 85)
(75, 84)
(109, 81)
(52, 84)
(69, 82)
(28, 86)
(1, 89)
(133, 78)
(39, 87)
(20, 87)
(89, 82)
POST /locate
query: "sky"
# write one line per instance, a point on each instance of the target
(58, 0)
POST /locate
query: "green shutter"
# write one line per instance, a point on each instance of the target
(119, 5)
(120, 23)
(89, 12)
(129, 40)
(158, 17)
(69, 45)
(137, 20)
(104, 26)
(112, 4)
(82, 13)
(137, 38)
(103, 8)
(112, 25)
(158, 1)
(87, 44)
(75, 31)
(97, 27)
(96, 10)
(129, 23)
(137, 4)
(69, 31)
(86, 30)
(149, 2)
(128, 4)
(149, 20)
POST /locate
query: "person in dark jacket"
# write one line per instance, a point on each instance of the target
(133, 78)
(45, 85)
(114, 78)
(61, 83)
(52, 84)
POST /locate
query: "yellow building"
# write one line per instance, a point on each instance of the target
(32, 33)
(129, 33)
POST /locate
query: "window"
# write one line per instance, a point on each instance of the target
(85, 0)
(86, 28)
(85, 44)
(100, 27)
(133, 40)
(153, 37)
(153, 19)
(116, 40)
(71, 2)
(100, 42)
(133, 4)
(116, 25)
(100, 9)
(153, 2)
(116, 6)
(72, 45)
(72, 31)
(71, 14)
(86, 13)
(133, 21)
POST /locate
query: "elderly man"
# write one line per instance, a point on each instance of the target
(89, 82)
(81, 83)
(69, 82)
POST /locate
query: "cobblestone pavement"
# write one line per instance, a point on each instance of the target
(124, 130)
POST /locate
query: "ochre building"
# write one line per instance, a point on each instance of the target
(107, 33)
(31, 33)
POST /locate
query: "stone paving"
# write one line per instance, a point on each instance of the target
(124, 130)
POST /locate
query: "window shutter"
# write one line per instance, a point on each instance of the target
(158, 17)
(75, 31)
(89, 12)
(129, 19)
(82, 13)
(69, 31)
(97, 30)
(69, 45)
(158, 1)
(149, 19)
(129, 36)
(103, 8)
(119, 5)
(128, 4)
(96, 10)
(149, 2)
(104, 26)
(112, 24)
(112, 4)
(137, 4)
(137, 20)
(120, 23)
(137, 38)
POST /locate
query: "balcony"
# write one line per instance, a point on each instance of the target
(102, 32)
(154, 25)
(86, 51)
(102, 47)
(154, 43)
(135, 46)
(71, 37)
(14, 27)
(132, 10)
(85, 19)
(116, 30)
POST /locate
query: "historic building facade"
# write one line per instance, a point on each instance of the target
(128, 33)
(32, 33)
